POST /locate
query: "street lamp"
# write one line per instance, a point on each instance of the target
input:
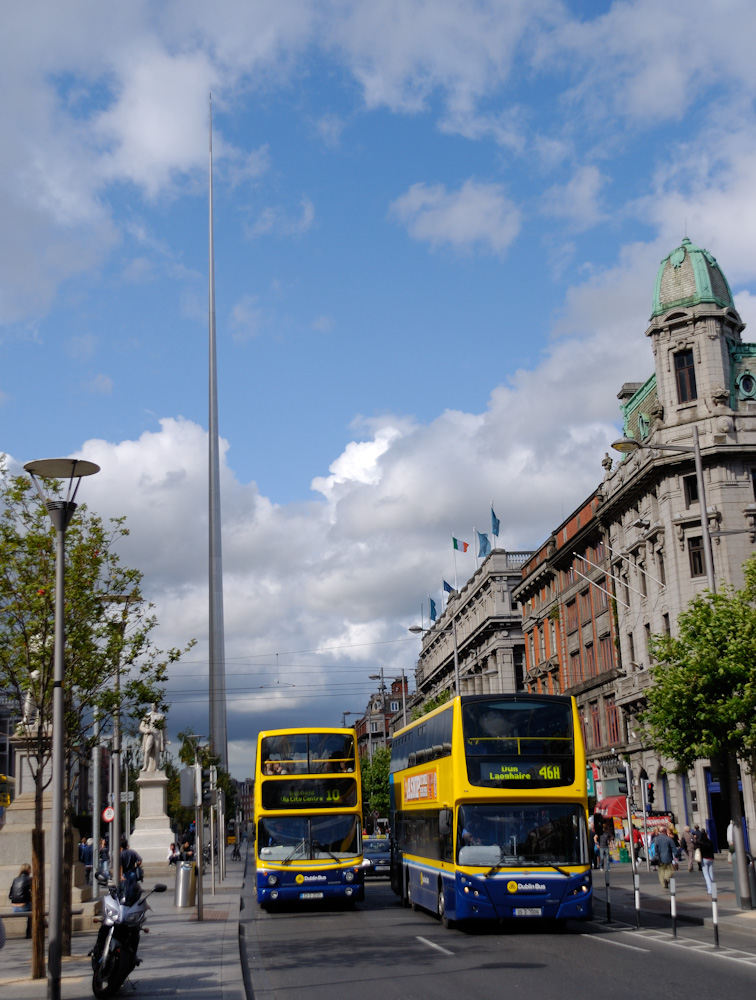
(61, 512)
(419, 630)
(627, 445)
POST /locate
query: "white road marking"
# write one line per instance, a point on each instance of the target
(432, 944)
(607, 940)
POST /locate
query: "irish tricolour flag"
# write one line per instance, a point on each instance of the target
(459, 546)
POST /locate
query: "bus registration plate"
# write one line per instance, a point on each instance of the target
(311, 895)
(528, 911)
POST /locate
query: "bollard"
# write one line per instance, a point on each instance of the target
(608, 899)
(714, 913)
(673, 905)
(636, 887)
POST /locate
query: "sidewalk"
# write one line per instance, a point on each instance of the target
(693, 903)
(180, 956)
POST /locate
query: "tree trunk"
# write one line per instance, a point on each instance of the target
(38, 970)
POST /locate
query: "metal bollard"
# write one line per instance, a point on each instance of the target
(715, 913)
(608, 898)
(673, 905)
(636, 888)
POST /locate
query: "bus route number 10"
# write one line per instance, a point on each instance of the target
(333, 795)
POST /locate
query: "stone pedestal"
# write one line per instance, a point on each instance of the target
(152, 834)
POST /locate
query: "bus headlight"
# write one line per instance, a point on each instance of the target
(274, 894)
(348, 891)
(272, 880)
(349, 876)
(584, 886)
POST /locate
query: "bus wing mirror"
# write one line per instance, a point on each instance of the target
(444, 822)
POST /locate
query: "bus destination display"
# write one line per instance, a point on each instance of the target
(314, 793)
(524, 773)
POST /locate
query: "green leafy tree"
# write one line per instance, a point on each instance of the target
(107, 635)
(440, 699)
(702, 702)
(375, 784)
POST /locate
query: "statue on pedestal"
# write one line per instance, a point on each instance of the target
(153, 738)
(30, 716)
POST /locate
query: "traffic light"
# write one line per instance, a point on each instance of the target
(650, 792)
(207, 791)
(622, 780)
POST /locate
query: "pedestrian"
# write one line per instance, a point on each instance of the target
(706, 847)
(689, 846)
(20, 894)
(173, 854)
(103, 856)
(696, 831)
(665, 853)
(730, 841)
(86, 854)
(606, 840)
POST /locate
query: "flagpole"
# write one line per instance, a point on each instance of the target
(454, 550)
(477, 547)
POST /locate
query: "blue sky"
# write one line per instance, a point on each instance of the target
(437, 231)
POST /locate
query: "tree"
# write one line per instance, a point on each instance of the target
(702, 702)
(108, 628)
(375, 783)
(440, 699)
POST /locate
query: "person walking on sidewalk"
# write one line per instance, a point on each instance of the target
(665, 852)
(689, 846)
(706, 847)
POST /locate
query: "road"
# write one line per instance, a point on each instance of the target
(380, 950)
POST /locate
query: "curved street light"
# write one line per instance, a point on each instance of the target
(61, 512)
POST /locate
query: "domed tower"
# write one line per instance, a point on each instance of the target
(695, 333)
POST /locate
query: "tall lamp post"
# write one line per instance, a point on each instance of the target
(419, 630)
(628, 445)
(61, 512)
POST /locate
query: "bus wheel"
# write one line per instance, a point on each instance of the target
(442, 915)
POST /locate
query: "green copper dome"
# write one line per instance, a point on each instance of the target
(688, 276)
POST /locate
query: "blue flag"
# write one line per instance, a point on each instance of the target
(494, 524)
(448, 588)
(484, 545)
(432, 609)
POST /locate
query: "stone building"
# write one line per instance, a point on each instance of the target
(488, 624)
(646, 530)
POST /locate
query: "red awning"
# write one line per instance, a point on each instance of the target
(613, 805)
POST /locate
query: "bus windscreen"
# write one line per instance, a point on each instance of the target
(525, 744)
(307, 753)
(500, 835)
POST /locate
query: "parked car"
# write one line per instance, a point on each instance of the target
(377, 857)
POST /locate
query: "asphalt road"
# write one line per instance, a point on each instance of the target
(380, 952)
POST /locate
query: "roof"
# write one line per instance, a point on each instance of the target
(688, 276)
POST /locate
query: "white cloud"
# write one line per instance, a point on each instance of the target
(276, 221)
(476, 215)
(577, 201)
(102, 384)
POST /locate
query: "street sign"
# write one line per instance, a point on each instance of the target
(127, 796)
(108, 814)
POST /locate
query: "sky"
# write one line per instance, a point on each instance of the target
(437, 230)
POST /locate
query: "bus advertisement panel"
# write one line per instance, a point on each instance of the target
(308, 816)
(489, 810)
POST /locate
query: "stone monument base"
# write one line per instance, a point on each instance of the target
(152, 834)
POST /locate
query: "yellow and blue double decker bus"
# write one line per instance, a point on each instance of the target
(489, 810)
(308, 816)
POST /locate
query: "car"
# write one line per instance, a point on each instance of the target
(377, 857)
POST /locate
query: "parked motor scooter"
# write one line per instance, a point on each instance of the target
(124, 911)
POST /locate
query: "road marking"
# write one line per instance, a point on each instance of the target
(432, 944)
(702, 947)
(606, 940)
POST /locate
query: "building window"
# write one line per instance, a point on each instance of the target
(595, 724)
(575, 674)
(375, 727)
(394, 706)
(585, 606)
(696, 556)
(590, 661)
(631, 647)
(686, 376)
(660, 568)
(690, 488)
(542, 644)
(612, 720)
(647, 637)
(605, 653)
(642, 586)
(665, 625)
(572, 621)
(602, 598)
(600, 550)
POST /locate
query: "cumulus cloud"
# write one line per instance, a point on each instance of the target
(475, 215)
(577, 201)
